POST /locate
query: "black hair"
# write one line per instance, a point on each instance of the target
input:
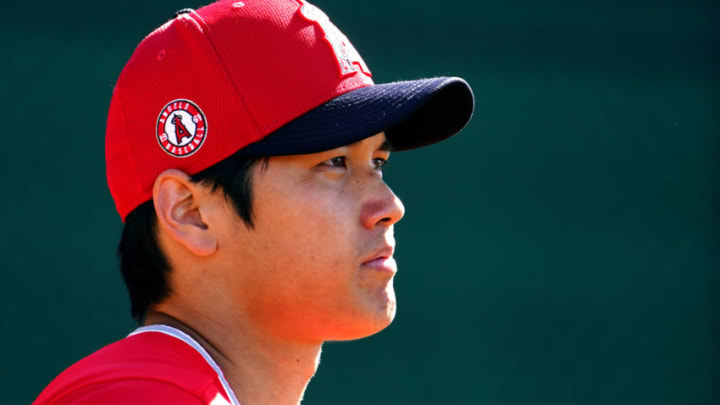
(143, 265)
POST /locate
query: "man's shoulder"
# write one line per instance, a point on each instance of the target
(137, 368)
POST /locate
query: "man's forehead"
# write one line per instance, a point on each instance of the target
(380, 139)
(375, 143)
(386, 145)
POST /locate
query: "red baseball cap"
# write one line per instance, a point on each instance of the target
(262, 78)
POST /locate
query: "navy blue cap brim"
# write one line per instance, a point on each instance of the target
(412, 114)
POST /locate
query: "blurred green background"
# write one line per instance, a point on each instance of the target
(562, 250)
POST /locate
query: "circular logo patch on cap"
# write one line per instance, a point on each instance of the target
(181, 128)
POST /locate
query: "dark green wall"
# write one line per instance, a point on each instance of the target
(562, 250)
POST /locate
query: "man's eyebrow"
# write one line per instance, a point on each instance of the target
(386, 146)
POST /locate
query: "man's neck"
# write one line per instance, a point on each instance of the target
(259, 370)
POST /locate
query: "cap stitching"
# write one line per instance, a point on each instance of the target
(315, 102)
(206, 28)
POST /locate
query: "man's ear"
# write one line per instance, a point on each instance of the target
(178, 205)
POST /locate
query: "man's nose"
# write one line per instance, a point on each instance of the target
(382, 208)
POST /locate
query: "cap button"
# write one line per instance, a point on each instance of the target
(183, 11)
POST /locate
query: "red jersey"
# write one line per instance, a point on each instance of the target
(155, 364)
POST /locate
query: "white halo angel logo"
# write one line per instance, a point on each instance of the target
(181, 128)
(348, 59)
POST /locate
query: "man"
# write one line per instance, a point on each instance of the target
(245, 144)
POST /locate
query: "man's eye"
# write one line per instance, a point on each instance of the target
(379, 163)
(338, 161)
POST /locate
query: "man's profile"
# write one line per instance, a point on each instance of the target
(245, 145)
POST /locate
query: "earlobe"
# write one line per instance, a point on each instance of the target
(179, 204)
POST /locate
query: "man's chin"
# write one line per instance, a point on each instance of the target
(373, 324)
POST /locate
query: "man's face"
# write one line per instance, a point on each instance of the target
(318, 264)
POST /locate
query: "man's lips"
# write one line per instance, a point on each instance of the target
(382, 261)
